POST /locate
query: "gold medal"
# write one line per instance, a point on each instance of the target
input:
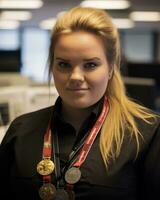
(45, 167)
(47, 191)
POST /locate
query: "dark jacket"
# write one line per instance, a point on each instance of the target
(128, 177)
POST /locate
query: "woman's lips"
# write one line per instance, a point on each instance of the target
(77, 91)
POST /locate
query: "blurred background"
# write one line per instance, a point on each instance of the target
(25, 30)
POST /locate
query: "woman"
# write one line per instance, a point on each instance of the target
(94, 142)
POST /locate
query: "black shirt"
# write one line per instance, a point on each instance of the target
(68, 138)
(126, 178)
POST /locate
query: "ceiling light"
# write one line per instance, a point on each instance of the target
(48, 23)
(17, 4)
(109, 5)
(9, 24)
(16, 15)
(122, 23)
(145, 16)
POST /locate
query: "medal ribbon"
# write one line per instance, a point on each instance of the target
(47, 147)
(94, 131)
(47, 150)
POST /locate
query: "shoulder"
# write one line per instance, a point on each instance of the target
(36, 115)
(32, 120)
(28, 123)
(150, 126)
(150, 132)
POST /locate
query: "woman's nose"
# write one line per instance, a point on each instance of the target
(77, 74)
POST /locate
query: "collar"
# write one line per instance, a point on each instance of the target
(58, 105)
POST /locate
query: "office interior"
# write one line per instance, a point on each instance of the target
(25, 30)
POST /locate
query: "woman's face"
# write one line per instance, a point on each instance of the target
(80, 69)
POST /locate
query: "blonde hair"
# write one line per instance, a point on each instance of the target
(123, 110)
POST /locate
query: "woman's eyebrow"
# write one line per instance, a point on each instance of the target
(86, 59)
(94, 58)
(58, 58)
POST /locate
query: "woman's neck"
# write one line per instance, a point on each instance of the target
(75, 116)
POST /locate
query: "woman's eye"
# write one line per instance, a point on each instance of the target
(63, 65)
(90, 65)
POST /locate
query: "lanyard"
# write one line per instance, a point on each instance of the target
(85, 148)
(91, 137)
(56, 159)
(73, 173)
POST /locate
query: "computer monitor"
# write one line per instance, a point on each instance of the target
(10, 60)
